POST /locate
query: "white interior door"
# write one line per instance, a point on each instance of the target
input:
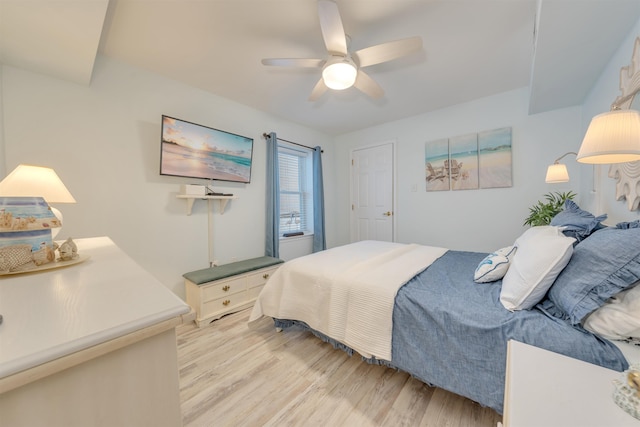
(372, 194)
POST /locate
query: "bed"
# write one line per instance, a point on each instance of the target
(445, 316)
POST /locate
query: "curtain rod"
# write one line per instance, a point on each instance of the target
(265, 135)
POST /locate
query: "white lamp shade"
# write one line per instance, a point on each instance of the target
(557, 173)
(612, 137)
(339, 74)
(35, 181)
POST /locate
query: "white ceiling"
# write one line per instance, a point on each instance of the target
(472, 49)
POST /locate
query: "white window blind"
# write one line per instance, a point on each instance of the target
(296, 197)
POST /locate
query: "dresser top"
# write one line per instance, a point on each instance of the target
(53, 313)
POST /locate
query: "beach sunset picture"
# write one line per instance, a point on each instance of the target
(196, 151)
(495, 158)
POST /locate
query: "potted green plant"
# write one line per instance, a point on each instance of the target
(543, 212)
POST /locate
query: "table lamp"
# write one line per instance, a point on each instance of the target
(37, 181)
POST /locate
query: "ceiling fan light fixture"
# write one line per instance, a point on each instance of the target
(339, 73)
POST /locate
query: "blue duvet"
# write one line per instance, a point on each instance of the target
(451, 332)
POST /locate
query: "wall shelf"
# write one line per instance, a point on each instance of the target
(222, 201)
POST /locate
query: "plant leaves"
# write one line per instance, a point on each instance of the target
(542, 213)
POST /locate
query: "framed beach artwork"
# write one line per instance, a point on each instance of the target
(463, 162)
(467, 162)
(436, 158)
(495, 158)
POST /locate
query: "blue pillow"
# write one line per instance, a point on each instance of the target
(601, 266)
(577, 223)
(625, 225)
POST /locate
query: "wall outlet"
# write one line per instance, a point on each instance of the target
(216, 263)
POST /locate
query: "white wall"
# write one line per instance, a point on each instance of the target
(479, 220)
(599, 101)
(104, 142)
(2, 155)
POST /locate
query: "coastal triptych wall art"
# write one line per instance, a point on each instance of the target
(467, 162)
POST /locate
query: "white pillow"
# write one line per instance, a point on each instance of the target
(618, 318)
(495, 265)
(543, 252)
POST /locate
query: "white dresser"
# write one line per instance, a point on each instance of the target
(89, 344)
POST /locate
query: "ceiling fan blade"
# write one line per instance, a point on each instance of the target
(331, 26)
(387, 51)
(368, 86)
(294, 62)
(319, 89)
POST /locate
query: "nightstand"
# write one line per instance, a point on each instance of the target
(546, 389)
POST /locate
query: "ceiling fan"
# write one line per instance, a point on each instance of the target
(343, 69)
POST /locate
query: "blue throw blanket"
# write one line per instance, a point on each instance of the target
(451, 332)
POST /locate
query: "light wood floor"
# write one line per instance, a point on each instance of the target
(233, 375)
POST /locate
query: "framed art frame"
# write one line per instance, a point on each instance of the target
(468, 162)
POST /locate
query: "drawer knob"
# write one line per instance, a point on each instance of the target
(633, 380)
(226, 288)
(226, 302)
(265, 276)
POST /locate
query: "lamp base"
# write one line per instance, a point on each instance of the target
(58, 214)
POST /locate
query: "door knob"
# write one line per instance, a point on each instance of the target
(388, 213)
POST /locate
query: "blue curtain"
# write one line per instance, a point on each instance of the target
(272, 235)
(319, 241)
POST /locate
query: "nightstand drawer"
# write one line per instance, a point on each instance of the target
(252, 293)
(223, 288)
(259, 278)
(223, 304)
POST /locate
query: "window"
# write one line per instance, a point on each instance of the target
(296, 194)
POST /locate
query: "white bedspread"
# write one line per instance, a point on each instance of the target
(347, 292)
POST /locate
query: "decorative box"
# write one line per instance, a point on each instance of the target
(25, 233)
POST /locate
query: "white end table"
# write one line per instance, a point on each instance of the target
(548, 389)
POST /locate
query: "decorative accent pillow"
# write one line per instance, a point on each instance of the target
(577, 223)
(542, 254)
(618, 318)
(495, 265)
(606, 263)
(625, 225)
